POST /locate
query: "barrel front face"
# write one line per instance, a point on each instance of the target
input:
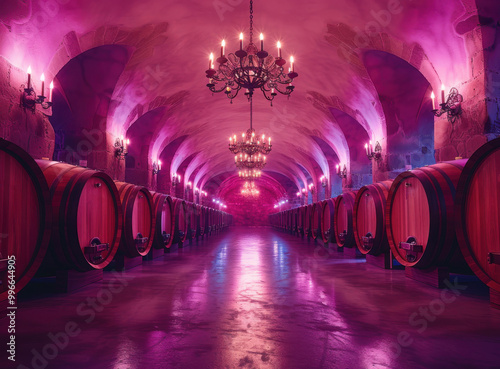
(316, 219)
(478, 213)
(327, 226)
(369, 218)
(343, 222)
(25, 215)
(142, 221)
(181, 220)
(409, 221)
(97, 222)
(163, 234)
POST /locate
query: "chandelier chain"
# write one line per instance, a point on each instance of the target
(251, 112)
(251, 21)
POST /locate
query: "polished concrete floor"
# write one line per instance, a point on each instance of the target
(257, 298)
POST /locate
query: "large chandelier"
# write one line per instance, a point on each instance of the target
(250, 189)
(249, 174)
(250, 143)
(251, 69)
(250, 161)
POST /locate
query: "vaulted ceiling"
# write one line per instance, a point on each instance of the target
(147, 59)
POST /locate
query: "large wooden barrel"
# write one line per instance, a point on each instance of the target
(301, 219)
(181, 220)
(165, 222)
(327, 226)
(342, 219)
(138, 220)
(87, 217)
(192, 219)
(210, 220)
(420, 216)
(478, 213)
(307, 220)
(369, 218)
(25, 216)
(202, 210)
(316, 213)
(294, 219)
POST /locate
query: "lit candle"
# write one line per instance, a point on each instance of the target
(279, 50)
(241, 41)
(337, 167)
(272, 90)
(29, 76)
(433, 97)
(51, 87)
(442, 94)
(230, 140)
(366, 148)
(127, 142)
(42, 78)
(159, 164)
(179, 177)
(291, 64)
(234, 138)
(261, 42)
(121, 140)
(235, 158)
(269, 141)
(211, 61)
(263, 137)
(370, 145)
(222, 47)
(264, 158)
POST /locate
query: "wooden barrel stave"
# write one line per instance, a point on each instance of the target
(25, 215)
(181, 221)
(478, 213)
(138, 220)
(327, 226)
(420, 217)
(87, 216)
(165, 222)
(369, 218)
(343, 220)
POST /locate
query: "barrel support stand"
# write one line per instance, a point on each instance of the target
(434, 277)
(352, 252)
(384, 260)
(71, 280)
(494, 298)
(154, 253)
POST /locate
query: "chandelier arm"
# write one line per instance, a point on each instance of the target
(286, 92)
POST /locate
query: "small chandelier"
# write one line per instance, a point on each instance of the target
(251, 69)
(249, 174)
(250, 161)
(249, 189)
(250, 144)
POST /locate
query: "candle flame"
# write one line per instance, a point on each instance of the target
(211, 56)
(292, 59)
(42, 77)
(442, 87)
(51, 85)
(279, 45)
(241, 36)
(261, 36)
(432, 95)
(29, 69)
(223, 43)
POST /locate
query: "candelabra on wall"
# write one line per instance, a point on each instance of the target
(341, 172)
(451, 105)
(121, 147)
(176, 179)
(30, 99)
(156, 167)
(324, 181)
(373, 152)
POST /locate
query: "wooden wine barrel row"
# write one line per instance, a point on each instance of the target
(301, 220)
(307, 220)
(25, 216)
(316, 211)
(165, 221)
(181, 221)
(138, 220)
(327, 224)
(477, 214)
(87, 213)
(202, 223)
(420, 217)
(342, 220)
(369, 218)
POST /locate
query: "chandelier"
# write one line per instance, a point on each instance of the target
(250, 144)
(249, 174)
(251, 69)
(250, 161)
(250, 189)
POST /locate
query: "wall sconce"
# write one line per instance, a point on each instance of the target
(324, 182)
(29, 98)
(298, 194)
(189, 186)
(121, 147)
(342, 173)
(176, 179)
(304, 191)
(373, 152)
(452, 105)
(196, 190)
(156, 167)
(311, 188)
